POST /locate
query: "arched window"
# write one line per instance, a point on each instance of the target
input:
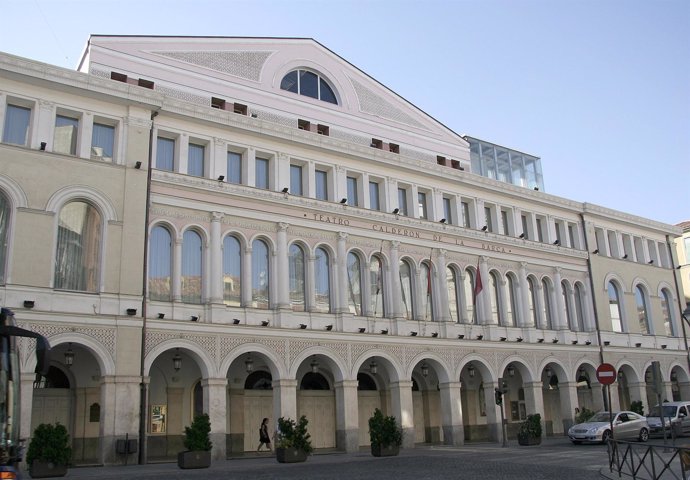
(191, 267)
(532, 299)
(666, 311)
(322, 281)
(232, 271)
(547, 305)
(453, 305)
(308, 84)
(512, 313)
(407, 305)
(579, 308)
(427, 301)
(297, 284)
(4, 235)
(77, 258)
(615, 308)
(314, 381)
(468, 287)
(160, 264)
(566, 307)
(260, 275)
(642, 312)
(494, 297)
(259, 380)
(354, 284)
(377, 287)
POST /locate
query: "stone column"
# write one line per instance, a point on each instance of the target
(283, 268)
(284, 398)
(451, 414)
(177, 271)
(527, 319)
(638, 392)
(45, 126)
(217, 160)
(615, 398)
(493, 412)
(464, 301)
(560, 322)
(484, 316)
(598, 393)
(402, 406)
(568, 399)
(246, 283)
(182, 146)
(119, 402)
(250, 171)
(215, 404)
(310, 290)
(216, 275)
(393, 285)
(534, 399)
(365, 289)
(27, 399)
(442, 310)
(341, 284)
(683, 387)
(668, 389)
(347, 416)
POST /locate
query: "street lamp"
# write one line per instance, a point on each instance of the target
(249, 364)
(470, 370)
(425, 369)
(373, 367)
(314, 365)
(177, 360)
(69, 356)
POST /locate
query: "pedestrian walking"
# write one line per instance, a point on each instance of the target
(264, 439)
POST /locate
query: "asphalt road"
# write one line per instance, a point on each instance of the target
(554, 459)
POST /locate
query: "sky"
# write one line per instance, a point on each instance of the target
(598, 89)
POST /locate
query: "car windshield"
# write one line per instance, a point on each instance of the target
(669, 411)
(600, 417)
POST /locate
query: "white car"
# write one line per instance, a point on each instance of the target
(626, 426)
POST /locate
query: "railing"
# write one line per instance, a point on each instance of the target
(648, 462)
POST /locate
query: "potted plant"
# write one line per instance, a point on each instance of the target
(197, 441)
(49, 451)
(636, 406)
(293, 443)
(385, 435)
(529, 432)
(584, 415)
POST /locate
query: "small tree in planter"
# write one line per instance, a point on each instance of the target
(584, 415)
(197, 441)
(636, 406)
(293, 443)
(530, 430)
(49, 451)
(385, 435)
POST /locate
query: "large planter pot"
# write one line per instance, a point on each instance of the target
(39, 469)
(290, 455)
(385, 451)
(529, 440)
(194, 459)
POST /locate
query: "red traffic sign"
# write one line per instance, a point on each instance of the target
(606, 374)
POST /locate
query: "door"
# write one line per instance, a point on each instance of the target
(368, 401)
(52, 405)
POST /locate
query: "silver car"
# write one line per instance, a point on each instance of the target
(626, 426)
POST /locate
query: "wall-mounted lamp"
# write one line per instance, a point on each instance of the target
(396, 210)
(177, 360)
(606, 343)
(302, 326)
(286, 190)
(343, 201)
(540, 340)
(461, 336)
(434, 334)
(264, 323)
(29, 303)
(137, 165)
(502, 339)
(548, 371)
(536, 189)
(638, 345)
(69, 355)
(425, 369)
(480, 337)
(131, 312)
(249, 364)
(235, 321)
(194, 318)
(522, 235)
(329, 327)
(413, 334)
(221, 178)
(555, 340)
(510, 370)
(518, 339)
(650, 262)
(588, 342)
(254, 115)
(470, 370)
(620, 374)
(574, 342)
(314, 365)
(362, 329)
(595, 252)
(443, 220)
(43, 146)
(384, 331)
(161, 316)
(624, 256)
(557, 242)
(373, 367)
(484, 228)
(663, 346)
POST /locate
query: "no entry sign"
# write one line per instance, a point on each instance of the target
(606, 374)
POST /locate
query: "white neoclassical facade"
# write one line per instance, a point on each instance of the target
(255, 228)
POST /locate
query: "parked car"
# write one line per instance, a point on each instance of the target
(626, 426)
(675, 416)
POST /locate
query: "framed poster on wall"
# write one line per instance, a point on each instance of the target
(158, 416)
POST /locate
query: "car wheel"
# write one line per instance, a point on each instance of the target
(606, 436)
(644, 435)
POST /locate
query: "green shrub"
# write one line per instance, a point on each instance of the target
(293, 435)
(197, 435)
(384, 431)
(50, 443)
(584, 415)
(531, 427)
(636, 407)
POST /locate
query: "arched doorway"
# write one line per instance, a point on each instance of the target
(368, 400)
(258, 404)
(316, 401)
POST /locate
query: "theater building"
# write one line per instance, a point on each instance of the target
(254, 227)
